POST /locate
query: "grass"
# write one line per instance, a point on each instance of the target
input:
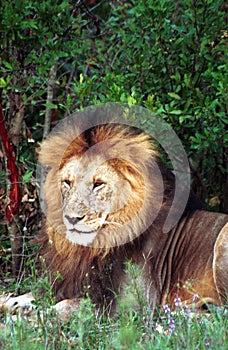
(129, 330)
(134, 327)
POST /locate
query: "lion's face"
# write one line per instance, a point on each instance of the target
(98, 189)
(93, 195)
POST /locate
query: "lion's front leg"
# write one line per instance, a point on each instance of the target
(24, 305)
(66, 308)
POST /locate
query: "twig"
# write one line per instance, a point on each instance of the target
(49, 100)
(14, 194)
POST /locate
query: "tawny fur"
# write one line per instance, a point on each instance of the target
(190, 259)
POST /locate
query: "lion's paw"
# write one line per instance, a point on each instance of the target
(66, 308)
(21, 305)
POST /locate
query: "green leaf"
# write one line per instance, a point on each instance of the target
(2, 83)
(182, 119)
(27, 176)
(50, 105)
(173, 95)
(176, 112)
(7, 65)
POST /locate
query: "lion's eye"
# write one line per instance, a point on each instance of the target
(98, 184)
(67, 183)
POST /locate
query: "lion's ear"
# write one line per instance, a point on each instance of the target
(56, 150)
(51, 151)
(141, 149)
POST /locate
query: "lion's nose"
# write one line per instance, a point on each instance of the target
(74, 220)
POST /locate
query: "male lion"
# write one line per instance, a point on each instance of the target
(106, 204)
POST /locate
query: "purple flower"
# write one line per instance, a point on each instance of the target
(166, 309)
(171, 324)
(177, 302)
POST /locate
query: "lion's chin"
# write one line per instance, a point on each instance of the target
(82, 238)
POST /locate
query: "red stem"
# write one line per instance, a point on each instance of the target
(14, 195)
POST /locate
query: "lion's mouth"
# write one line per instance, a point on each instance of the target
(83, 231)
(74, 230)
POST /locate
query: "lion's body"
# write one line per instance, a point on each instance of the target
(183, 264)
(180, 266)
(189, 260)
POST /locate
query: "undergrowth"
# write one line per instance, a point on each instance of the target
(133, 327)
(130, 330)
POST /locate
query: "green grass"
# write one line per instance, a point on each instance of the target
(133, 327)
(129, 329)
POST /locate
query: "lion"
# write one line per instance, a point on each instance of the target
(106, 205)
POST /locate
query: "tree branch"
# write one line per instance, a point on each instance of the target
(49, 100)
(14, 193)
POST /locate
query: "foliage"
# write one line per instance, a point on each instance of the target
(85, 331)
(168, 57)
(132, 328)
(31, 44)
(172, 59)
